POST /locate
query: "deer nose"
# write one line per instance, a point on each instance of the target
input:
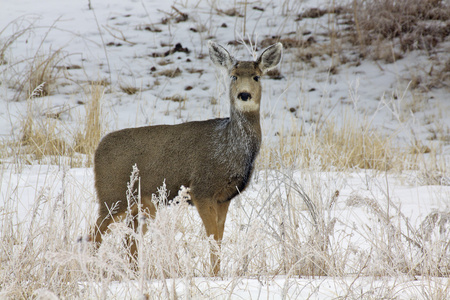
(244, 96)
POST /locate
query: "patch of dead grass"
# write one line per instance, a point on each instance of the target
(176, 98)
(171, 73)
(40, 136)
(350, 146)
(128, 89)
(43, 71)
(86, 141)
(413, 24)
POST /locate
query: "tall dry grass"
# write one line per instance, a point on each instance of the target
(86, 141)
(37, 76)
(24, 27)
(291, 223)
(44, 138)
(40, 136)
(335, 148)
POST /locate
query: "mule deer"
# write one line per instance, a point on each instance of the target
(214, 158)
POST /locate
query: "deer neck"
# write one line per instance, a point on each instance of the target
(238, 141)
(244, 126)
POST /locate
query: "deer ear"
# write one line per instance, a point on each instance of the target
(270, 57)
(220, 56)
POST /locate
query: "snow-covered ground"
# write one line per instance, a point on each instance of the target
(123, 43)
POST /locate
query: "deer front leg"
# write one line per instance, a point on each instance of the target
(208, 213)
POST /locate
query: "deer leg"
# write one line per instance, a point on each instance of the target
(139, 224)
(208, 214)
(222, 210)
(102, 226)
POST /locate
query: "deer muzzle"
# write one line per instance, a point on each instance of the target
(244, 96)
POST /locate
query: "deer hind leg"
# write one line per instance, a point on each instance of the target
(222, 210)
(104, 220)
(102, 226)
(139, 224)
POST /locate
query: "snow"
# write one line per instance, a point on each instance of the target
(370, 91)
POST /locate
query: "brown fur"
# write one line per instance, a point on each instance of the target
(214, 158)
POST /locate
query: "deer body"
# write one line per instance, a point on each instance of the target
(203, 142)
(214, 158)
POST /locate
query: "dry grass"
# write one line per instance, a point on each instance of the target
(351, 147)
(43, 71)
(40, 136)
(33, 76)
(292, 224)
(170, 73)
(5, 43)
(333, 147)
(357, 147)
(411, 24)
(176, 98)
(44, 138)
(128, 89)
(86, 142)
(381, 30)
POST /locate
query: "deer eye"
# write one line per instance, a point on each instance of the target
(233, 77)
(256, 78)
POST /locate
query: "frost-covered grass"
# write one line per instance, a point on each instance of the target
(292, 233)
(350, 198)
